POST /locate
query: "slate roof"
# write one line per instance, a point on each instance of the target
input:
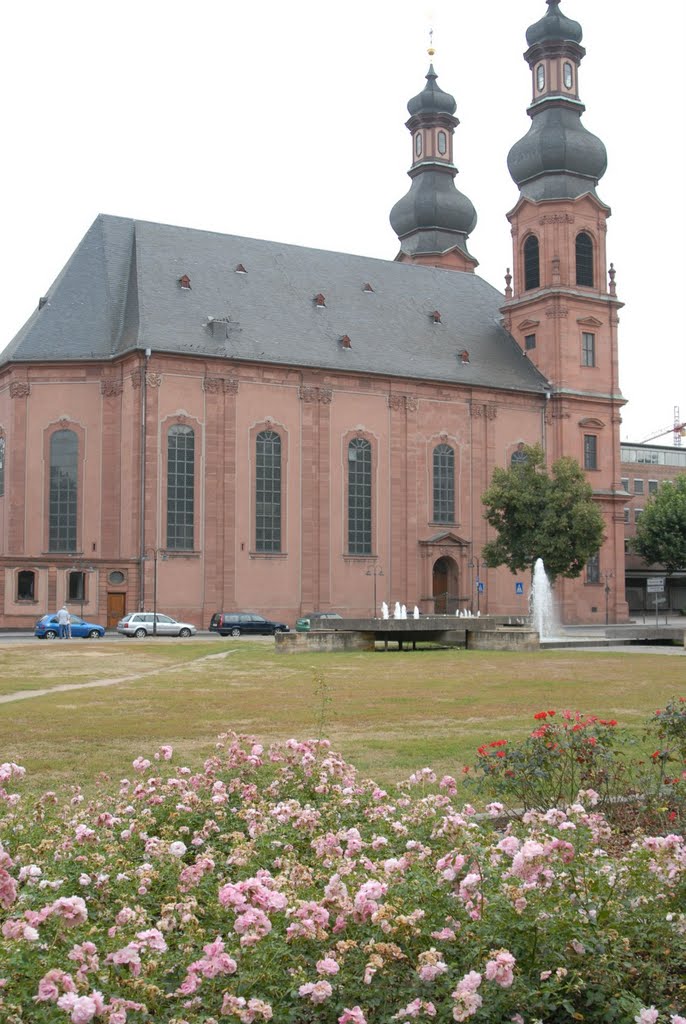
(120, 291)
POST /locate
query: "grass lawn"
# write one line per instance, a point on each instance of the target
(388, 713)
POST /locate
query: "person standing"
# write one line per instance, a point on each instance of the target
(64, 622)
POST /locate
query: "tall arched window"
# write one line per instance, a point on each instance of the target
(584, 260)
(532, 268)
(268, 491)
(64, 457)
(180, 488)
(359, 497)
(444, 484)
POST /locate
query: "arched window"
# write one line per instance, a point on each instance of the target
(64, 457)
(359, 497)
(584, 260)
(268, 491)
(444, 484)
(532, 269)
(180, 488)
(2, 464)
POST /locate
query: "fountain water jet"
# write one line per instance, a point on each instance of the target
(543, 617)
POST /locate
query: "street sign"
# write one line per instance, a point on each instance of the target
(519, 588)
(480, 586)
(655, 584)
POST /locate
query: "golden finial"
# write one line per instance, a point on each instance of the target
(431, 49)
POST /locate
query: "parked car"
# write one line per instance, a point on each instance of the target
(237, 623)
(315, 620)
(48, 629)
(142, 624)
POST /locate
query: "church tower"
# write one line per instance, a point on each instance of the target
(433, 220)
(560, 305)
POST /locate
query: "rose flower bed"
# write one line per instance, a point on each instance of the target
(278, 885)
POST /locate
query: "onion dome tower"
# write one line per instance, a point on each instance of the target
(434, 219)
(559, 304)
(557, 158)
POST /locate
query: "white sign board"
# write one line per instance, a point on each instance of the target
(655, 584)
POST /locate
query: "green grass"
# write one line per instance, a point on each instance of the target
(388, 713)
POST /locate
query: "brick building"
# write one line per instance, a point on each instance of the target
(228, 423)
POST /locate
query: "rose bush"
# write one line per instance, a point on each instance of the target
(278, 885)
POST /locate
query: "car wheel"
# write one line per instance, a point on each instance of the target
(184, 632)
(51, 634)
(235, 631)
(140, 633)
(94, 634)
(279, 630)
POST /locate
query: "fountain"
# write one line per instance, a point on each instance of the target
(541, 603)
(397, 611)
(416, 612)
(384, 610)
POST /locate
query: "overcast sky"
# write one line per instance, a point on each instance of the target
(286, 121)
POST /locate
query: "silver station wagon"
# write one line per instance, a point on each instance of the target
(142, 624)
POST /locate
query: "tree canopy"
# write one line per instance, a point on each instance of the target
(541, 515)
(661, 527)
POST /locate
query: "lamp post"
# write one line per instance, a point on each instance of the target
(476, 563)
(154, 553)
(374, 571)
(607, 576)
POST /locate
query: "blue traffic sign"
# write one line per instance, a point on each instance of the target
(480, 587)
(519, 588)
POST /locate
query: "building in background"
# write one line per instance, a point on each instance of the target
(218, 423)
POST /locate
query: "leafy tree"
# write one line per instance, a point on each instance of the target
(661, 528)
(540, 515)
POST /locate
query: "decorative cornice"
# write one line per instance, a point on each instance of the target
(153, 380)
(310, 393)
(111, 387)
(20, 389)
(407, 402)
(556, 312)
(213, 385)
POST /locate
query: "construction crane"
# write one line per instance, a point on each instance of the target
(677, 428)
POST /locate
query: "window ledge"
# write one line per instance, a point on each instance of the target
(443, 522)
(268, 554)
(347, 557)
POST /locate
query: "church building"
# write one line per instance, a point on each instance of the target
(218, 423)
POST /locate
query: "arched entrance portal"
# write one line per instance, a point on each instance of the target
(445, 589)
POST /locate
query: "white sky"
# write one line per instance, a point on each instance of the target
(286, 121)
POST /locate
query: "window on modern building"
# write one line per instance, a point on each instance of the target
(359, 497)
(637, 514)
(444, 484)
(587, 349)
(180, 488)
(584, 260)
(593, 569)
(26, 585)
(638, 487)
(62, 516)
(532, 270)
(653, 486)
(627, 513)
(76, 589)
(590, 451)
(268, 491)
(529, 342)
(625, 483)
(2, 466)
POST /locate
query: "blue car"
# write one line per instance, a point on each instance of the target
(47, 628)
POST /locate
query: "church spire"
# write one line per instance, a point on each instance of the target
(433, 220)
(557, 158)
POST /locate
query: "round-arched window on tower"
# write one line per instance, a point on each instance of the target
(540, 77)
(567, 75)
(442, 143)
(418, 144)
(584, 260)
(532, 266)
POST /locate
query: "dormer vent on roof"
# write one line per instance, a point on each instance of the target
(185, 282)
(43, 301)
(346, 342)
(319, 301)
(219, 326)
(463, 356)
(367, 287)
(240, 269)
(435, 317)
